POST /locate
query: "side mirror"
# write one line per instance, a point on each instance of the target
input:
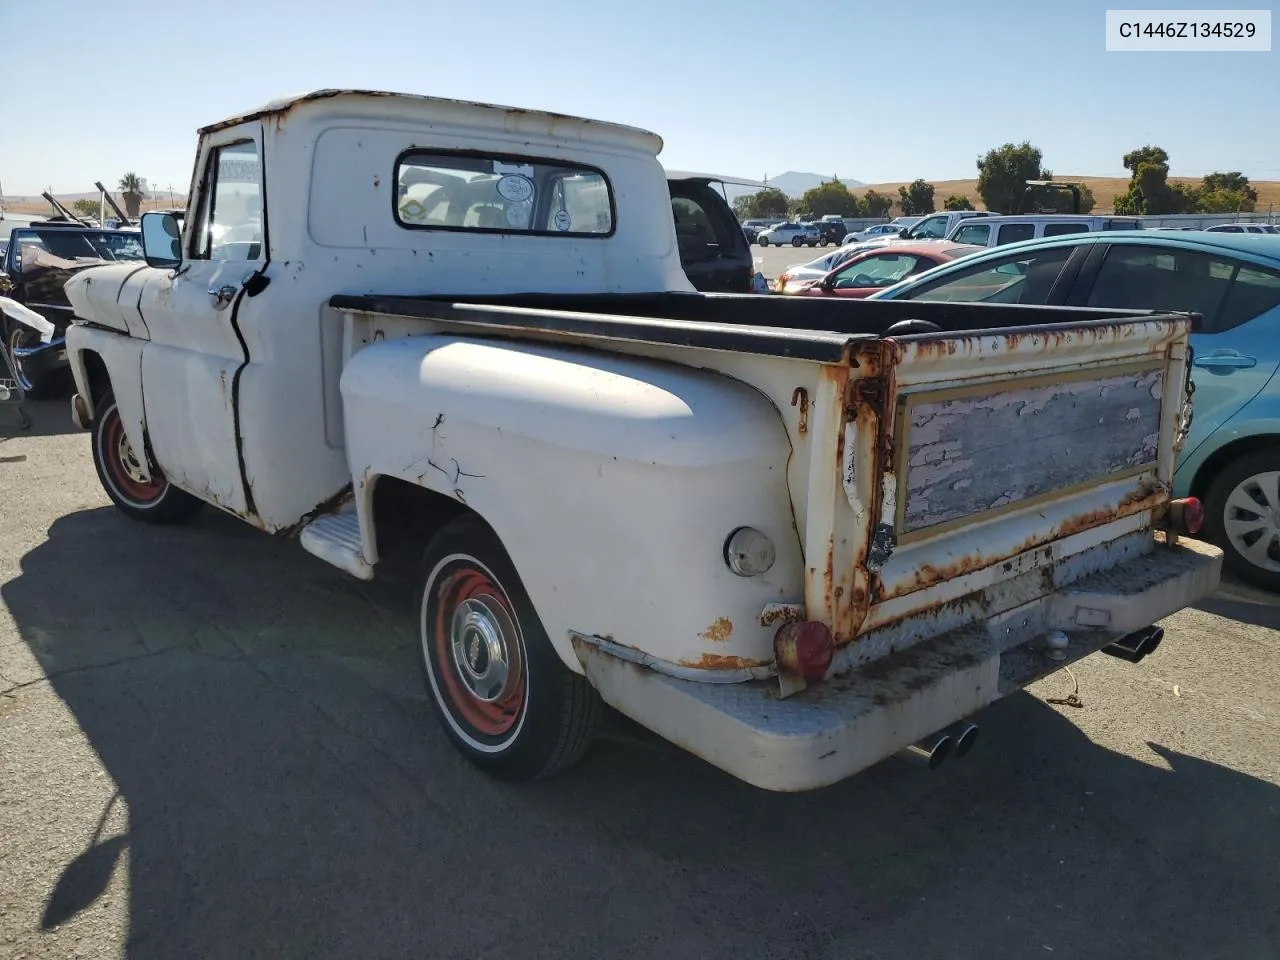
(161, 240)
(829, 282)
(903, 234)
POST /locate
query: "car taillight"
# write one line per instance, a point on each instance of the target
(1186, 516)
(804, 648)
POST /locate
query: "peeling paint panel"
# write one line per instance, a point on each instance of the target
(971, 450)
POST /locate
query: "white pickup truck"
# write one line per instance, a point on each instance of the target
(792, 536)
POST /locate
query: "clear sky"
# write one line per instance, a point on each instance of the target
(870, 91)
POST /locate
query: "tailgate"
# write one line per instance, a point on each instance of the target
(973, 466)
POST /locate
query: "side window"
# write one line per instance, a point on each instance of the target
(931, 228)
(1026, 277)
(975, 233)
(230, 218)
(1136, 277)
(695, 229)
(1058, 229)
(1013, 232)
(880, 271)
(1253, 292)
(496, 194)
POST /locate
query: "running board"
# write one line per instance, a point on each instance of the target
(335, 539)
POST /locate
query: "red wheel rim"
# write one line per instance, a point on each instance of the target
(477, 645)
(123, 466)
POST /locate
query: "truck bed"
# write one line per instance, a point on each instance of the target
(801, 327)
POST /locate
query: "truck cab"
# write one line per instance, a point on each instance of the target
(794, 536)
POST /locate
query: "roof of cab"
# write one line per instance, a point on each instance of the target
(594, 129)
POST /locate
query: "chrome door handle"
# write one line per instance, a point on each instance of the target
(222, 295)
(1231, 361)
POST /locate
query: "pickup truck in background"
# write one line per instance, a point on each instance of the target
(453, 341)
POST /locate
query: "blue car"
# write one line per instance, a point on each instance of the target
(1231, 459)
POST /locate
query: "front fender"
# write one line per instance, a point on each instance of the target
(122, 356)
(612, 481)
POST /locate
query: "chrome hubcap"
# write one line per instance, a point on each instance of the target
(1251, 520)
(129, 463)
(478, 636)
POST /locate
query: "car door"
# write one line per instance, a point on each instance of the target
(1236, 350)
(191, 362)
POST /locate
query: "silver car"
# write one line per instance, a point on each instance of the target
(796, 234)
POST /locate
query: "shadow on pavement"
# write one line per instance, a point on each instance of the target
(49, 418)
(289, 795)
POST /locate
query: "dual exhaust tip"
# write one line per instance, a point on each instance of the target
(957, 739)
(1137, 645)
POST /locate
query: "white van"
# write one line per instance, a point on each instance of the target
(937, 226)
(1002, 230)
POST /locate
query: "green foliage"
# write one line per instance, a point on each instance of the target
(1003, 173)
(86, 208)
(1149, 190)
(916, 199)
(875, 204)
(832, 197)
(956, 202)
(769, 202)
(1226, 193)
(1087, 200)
(131, 183)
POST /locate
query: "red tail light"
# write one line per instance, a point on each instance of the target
(804, 648)
(1186, 516)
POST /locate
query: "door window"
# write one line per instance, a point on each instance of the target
(880, 271)
(932, 228)
(230, 224)
(976, 233)
(1013, 232)
(1134, 277)
(1026, 277)
(1058, 229)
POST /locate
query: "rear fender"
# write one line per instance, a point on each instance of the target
(612, 481)
(122, 356)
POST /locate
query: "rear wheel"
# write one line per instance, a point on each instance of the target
(762, 241)
(504, 697)
(796, 241)
(1242, 516)
(119, 467)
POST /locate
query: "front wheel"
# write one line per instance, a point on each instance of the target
(1242, 516)
(119, 467)
(763, 242)
(796, 241)
(505, 699)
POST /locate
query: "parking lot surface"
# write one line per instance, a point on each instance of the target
(214, 745)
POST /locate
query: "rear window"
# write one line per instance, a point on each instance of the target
(1168, 278)
(1058, 229)
(500, 194)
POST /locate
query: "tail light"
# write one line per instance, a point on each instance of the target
(804, 648)
(1186, 516)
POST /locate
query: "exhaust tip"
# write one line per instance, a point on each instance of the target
(929, 752)
(1153, 641)
(966, 737)
(1137, 645)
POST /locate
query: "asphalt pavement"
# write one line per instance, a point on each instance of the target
(215, 745)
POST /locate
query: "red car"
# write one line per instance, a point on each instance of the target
(883, 267)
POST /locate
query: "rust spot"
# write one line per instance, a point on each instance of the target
(330, 505)
(800, 397)
(716, 661)
(781, 613)
(720, 630)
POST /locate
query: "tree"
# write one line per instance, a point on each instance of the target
(769, 202)
(86, 208)
(1003, 174)
(1087, 200)
(1226, 193)
(832, 197)
(876, 204)
(1149, 189)
(131, 192)
(957, 202)
(916, 199)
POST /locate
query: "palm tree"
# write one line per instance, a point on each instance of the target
(131, 193)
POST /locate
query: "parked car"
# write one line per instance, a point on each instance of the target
(874, 232)
(1231, 458)
(714, 252)
(830, 231)
(607, 487)
(796, 234)
(872, 270)
(995, 232)
(1238, 228)
(37, 261)
(752, 228)
(815, 269)
(938, 226)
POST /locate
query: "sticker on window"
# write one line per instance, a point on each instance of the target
(562, 220)
(516, 188)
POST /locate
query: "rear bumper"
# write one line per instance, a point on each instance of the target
(38, 361)
(846, 724)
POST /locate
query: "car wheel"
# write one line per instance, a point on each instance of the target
(1242, 516)
(499, 689)
(796, 241)
(153, 500)
(762, 241)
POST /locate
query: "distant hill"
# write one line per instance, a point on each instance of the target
(794, 184)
